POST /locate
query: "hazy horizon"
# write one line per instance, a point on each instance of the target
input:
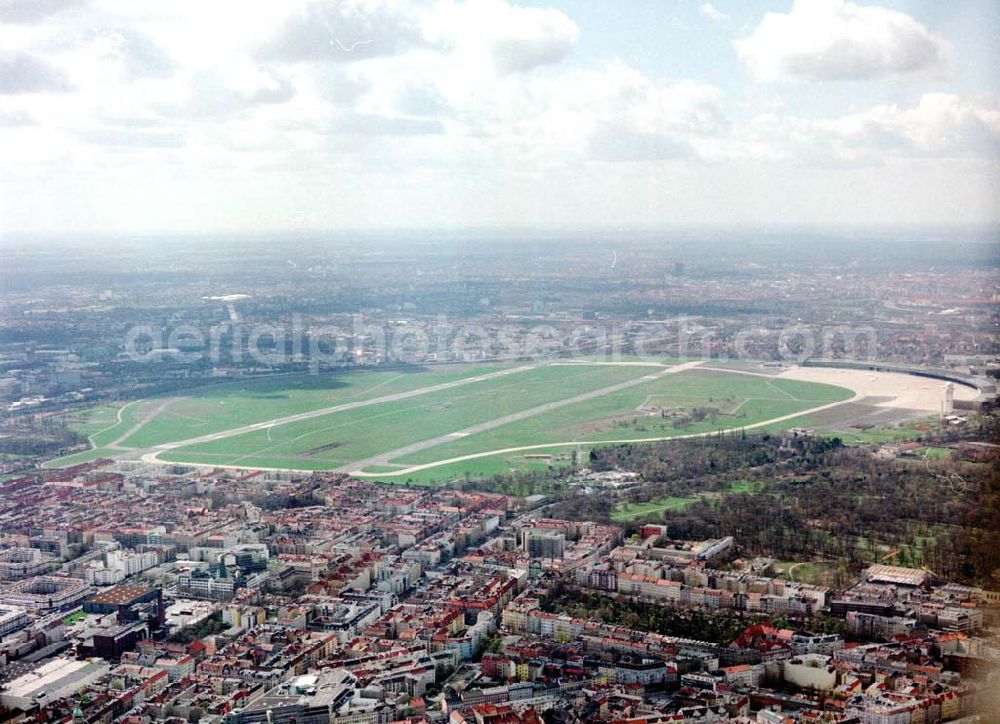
(972, 233)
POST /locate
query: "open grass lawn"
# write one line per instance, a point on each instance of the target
(625, 512)
(350, 435)
(103, 423)
(94, 419)
(125, 419)
(233, 404)
(599, 419)
(484, 467)
(481, 468)
(877, 434)
(747, 486)
(375, 428)
(632, 511)
(11, 457)
(816, 573)
(223, 406)
(936, 453)
(77, 458)
(4, 477)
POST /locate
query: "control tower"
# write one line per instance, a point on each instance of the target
(948, 403)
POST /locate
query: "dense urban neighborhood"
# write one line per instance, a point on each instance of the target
(138, 593)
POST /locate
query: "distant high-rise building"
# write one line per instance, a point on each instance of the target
(948, 404)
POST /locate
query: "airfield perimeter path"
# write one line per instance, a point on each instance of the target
(488, 453)
(116, 444)
(384, 458)
(151, 453)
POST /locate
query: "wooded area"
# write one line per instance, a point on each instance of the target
(817, 498)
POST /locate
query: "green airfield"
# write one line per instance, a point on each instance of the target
(215, 408)
(650, 408)
(343, 437)
(597, 420)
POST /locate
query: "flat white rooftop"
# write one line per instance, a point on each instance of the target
(50, 676)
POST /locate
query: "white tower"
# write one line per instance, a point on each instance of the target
(948, 404)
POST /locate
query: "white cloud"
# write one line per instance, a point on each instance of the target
(515, 38)
(342, 31)
(655, 121)
(837, 40)
(611, 113)
(464, 111)
(26, 73)
(939, 125)
(531, 37)
(944, 123)
(257, 80)
(137, 54)
(129, 137)
(11, 118)
(713, 13)
(363, 124)
(33, 11)
(214, 93)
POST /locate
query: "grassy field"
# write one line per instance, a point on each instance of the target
(880, 433)
(816, 573)
(632, 511)
(613, 416)
(77, 458)
(214, 408)
(936, 453)
(123, 419)
(74, 617)
(486, 467)
(625, 512)
(94, 419)
(543, 398)
(4, 477)
(747, 486)
(343, 437)
(876, 434)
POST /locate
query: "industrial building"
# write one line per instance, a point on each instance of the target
(51, 681)
(130, 603)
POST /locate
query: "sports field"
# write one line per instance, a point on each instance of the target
(444, 422)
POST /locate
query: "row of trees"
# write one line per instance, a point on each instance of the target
(37, 435)
(720, 627)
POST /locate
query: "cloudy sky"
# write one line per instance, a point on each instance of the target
(152, 116)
